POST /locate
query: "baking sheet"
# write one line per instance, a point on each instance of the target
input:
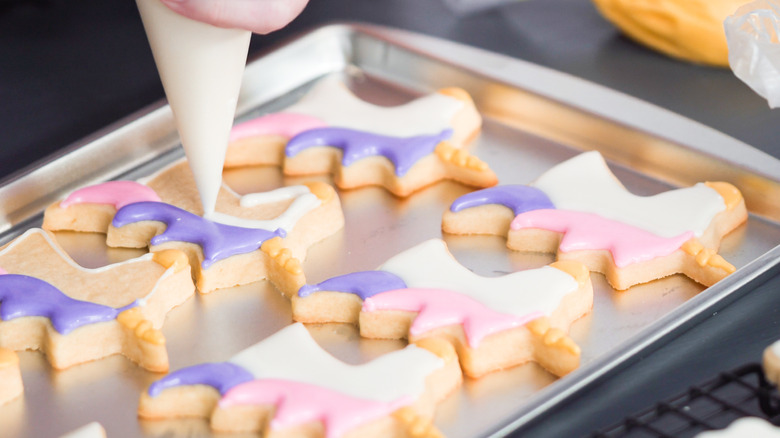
(386, 66)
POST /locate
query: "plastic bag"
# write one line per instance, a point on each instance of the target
(753, 35)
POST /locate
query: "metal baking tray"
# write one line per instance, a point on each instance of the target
(534, 118)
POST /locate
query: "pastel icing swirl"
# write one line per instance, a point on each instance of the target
(517, 198)
(587, 231)
(300, 403)
(21, 295)
(439, 308)
(116, 193)
(363, 284)
(218, 241)
(222, 376)
(356, 145)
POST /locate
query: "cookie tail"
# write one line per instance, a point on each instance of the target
(553, 348)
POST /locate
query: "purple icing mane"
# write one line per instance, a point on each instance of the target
(517, 198)
(218, 241)
(363, 284)
(403, 152)
(21, 295)
(222, 376)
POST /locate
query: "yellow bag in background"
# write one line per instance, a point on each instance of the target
(691, 30)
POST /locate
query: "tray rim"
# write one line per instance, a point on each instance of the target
(556, 86)
(158, 116)
(559, 86)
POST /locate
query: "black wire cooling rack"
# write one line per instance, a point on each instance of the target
(712, 405)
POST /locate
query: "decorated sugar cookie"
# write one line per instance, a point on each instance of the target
(772, 362)
(74, 314)
(91, 209)
(10, 377)
(287, 385)
(91, 430)
(580, 211)
(221, 255)
(744, 427)
(401, 148)
(302, 215)
(493, 323)
(307, 213)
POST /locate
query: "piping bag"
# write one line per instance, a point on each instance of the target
(201, 67)
(753, 35)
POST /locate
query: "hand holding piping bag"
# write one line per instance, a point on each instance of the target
(258, 16)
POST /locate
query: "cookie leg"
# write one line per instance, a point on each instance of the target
(418, 422)
(10, 376)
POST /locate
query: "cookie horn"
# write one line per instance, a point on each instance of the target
(704, 265)
(416, 426)
(144, 344)
(553, 348)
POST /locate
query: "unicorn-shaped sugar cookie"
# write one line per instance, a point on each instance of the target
(401, 148)
(580, 211)
(285, 221)
(493, 322)
(74, 314)
(287, 385)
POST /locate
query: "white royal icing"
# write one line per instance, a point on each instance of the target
(303, 202)
(753, 427)
(56, 247)
(292, 354)
(332, 102)
(64, 256)
(585, 183)
(91, 430)
(430, 265)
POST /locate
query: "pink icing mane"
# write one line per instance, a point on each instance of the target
(587, 231)
(116, 193)
(438, 308)
(3, 271)
(299, 403)
(285, 124)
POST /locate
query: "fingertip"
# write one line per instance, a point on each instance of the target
(181, 7)
(258, 16)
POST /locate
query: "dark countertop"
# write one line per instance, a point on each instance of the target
(68, 69)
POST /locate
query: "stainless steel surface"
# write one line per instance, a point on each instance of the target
(388, 67)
